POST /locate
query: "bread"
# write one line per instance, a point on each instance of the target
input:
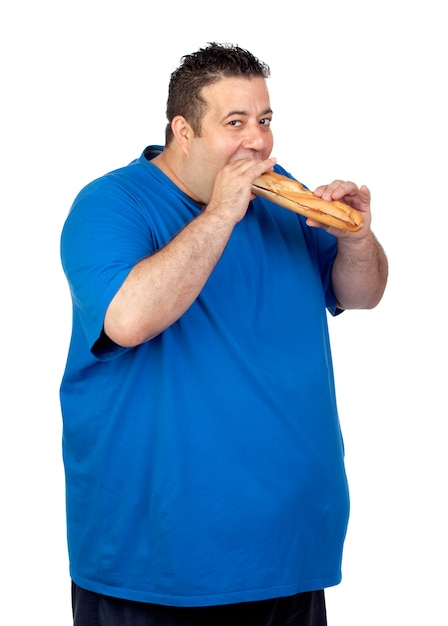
(290, 194)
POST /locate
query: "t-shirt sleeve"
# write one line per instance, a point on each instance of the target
(323, 249)
(104, 236)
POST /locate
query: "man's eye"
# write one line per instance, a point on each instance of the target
(235, 123)
(266, 121)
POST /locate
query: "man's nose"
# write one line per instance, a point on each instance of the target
(256, 137)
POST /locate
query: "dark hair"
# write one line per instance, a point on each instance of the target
(202, 68)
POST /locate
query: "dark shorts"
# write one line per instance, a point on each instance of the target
(303, 609)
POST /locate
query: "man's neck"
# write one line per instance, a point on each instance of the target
(167, 163)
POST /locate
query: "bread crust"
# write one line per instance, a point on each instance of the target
(292, 195)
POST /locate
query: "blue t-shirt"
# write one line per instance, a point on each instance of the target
(204, 466)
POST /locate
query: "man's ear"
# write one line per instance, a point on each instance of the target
(183, 133)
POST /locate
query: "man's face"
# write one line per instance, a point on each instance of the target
(235, 126)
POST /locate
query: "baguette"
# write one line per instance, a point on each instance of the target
(292, 195)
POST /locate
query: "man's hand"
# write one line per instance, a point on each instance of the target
(232, 190)
(354, 196)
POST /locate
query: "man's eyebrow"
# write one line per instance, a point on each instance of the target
(267, 111)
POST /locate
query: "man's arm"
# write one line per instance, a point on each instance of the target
(360, 269)
(160, 288)
(359, 273)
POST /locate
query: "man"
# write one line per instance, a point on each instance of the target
(202, 448)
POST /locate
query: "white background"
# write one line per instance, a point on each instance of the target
(358, 90)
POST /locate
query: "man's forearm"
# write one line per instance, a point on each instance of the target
(359, 273)
(160, 288)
